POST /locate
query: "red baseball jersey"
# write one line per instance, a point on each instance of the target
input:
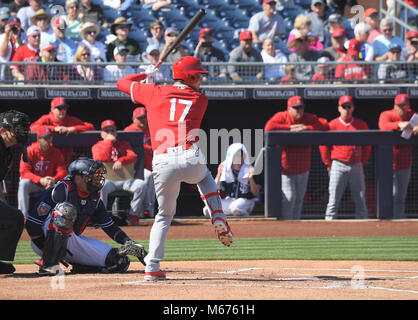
(69, 121)
(319, 76)
(112, 151)
(24, 54)
(349, 154)
(402, 155)
(148, 154)
(295, 159)
(351, 71)
(174, 113)
(42, 164)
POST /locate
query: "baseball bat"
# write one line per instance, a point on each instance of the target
(187, 29)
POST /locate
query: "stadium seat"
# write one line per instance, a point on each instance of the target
(292, 12)
(245, 4)
(110, 13)
(215, 4)
(306, 4)
(141, 17)
(237, 18)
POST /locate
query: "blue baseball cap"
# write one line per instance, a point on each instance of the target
(13, 20)
(394, 46)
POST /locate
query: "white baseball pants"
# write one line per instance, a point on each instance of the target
(341, 174)
(400, 189)
(169, 170)
(81, 249)
(293, 191)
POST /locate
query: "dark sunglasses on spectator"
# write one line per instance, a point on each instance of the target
(414, 43)
(302, 39)
(387, 29)
(61, 108)
(36, 36)
(123, 53)
(346, 106)
(86, 54)
(109, 130)
(172, 35)
(298, 107)
(91, 32)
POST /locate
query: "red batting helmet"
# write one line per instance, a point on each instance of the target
(186, 69)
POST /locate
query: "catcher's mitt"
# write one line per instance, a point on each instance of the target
(133, 249)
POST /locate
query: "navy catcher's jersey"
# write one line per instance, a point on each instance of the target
(89, 207)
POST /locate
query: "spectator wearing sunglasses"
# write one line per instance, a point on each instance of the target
(65, 47)
(120, 28)
(42, 20)
(302, 53)
(82, 70)
(60, 122)
(47, 72)
(170, 36)
(390, 71)
(26, 53)
(89, 33)
(114, 72)
(296, 160)
(345, 163)
(10, 41)
(410, 53)
(382, 42)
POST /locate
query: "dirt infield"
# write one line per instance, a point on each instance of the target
(238, 280)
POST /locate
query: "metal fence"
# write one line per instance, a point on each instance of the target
(306, 73)
(377, 170)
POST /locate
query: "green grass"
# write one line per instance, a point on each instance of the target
(359, 248)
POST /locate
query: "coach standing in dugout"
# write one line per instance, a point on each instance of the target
(296, 160)
(398, 119)
(345, 163)
(14, 129)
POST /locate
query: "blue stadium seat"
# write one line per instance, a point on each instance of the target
(141, 17)
(292, 13)
(306, 4)
(110, 13)
(237, 18)
(215, 4)
(245, 4)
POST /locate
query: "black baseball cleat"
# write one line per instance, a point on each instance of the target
(6, 268)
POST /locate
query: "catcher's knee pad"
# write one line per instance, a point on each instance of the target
(115, 262)
(59, 230)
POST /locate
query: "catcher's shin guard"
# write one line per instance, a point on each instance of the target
(59, 230)
(115, 262)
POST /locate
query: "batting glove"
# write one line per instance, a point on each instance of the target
(150, 72)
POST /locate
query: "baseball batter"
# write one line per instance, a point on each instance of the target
(174, 114)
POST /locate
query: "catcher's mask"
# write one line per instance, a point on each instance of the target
(93, 172)
(18, 123)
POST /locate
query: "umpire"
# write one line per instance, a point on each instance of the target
(14, 129)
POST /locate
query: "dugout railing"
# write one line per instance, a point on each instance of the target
(382, 158)
(58, 73)
(81, 143)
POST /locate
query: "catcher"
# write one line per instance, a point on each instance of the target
(14, 129)
(58, 219)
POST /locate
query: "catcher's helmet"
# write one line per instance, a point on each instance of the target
(186, 69)
(94, 170)
(18, 123)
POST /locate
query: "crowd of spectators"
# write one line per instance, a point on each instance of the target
(83, 28)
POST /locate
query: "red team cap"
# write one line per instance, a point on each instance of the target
(295, 101)
(412, 34)
(108, 123)
(369, 12)
(186, 69)
(346, 100)
(337, 33)
(402, 99)
(57, 102)
(246, 35)
(43, 132)
(205, 32)
(59, 23)
(268, 1)
(139, 112)
(354, 47)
